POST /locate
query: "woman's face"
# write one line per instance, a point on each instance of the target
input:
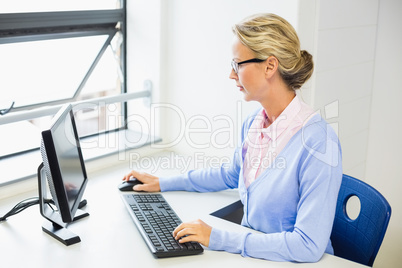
(250, 78)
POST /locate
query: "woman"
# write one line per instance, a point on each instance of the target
(288, 169)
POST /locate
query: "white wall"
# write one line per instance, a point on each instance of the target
(144, 48)
(384, 168)
(198, 39)
(184, 48)
(345, 56)
(358, 63)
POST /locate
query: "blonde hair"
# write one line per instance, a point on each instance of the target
(271, 35)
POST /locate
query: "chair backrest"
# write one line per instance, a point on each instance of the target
(360, 239)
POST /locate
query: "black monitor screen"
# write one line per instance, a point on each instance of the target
(63, 163)
(69, 159)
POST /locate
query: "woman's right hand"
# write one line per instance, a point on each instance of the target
(150, 183)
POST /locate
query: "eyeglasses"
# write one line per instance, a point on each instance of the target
(235, 65)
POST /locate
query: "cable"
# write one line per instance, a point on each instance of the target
(26, 203)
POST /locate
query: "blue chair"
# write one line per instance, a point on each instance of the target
(360, 239)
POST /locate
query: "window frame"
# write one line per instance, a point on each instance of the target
(25, 27)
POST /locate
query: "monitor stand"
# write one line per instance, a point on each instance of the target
(53, 225)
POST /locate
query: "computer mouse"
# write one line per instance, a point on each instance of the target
(128, 185)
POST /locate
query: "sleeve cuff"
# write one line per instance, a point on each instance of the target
(228, 241)
(175, 183)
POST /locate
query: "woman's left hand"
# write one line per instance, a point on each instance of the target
(195, 231)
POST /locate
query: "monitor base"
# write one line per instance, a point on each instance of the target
(60, 233)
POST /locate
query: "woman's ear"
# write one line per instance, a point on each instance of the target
(271, 66)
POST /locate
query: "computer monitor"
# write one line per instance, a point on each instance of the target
(63, 168)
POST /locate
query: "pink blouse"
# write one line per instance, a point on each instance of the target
(263, 144)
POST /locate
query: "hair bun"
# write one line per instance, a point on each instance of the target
(306, 56)
(301, 72)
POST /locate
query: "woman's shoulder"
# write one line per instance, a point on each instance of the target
(320, 140)
(316, 126)
(318, 137)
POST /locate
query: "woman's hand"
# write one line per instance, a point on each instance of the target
(150, 182)
(195, 231)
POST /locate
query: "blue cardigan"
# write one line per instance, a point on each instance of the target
(292, 202)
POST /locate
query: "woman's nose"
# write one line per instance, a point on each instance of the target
(233, 74)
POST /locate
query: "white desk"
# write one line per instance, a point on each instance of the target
(109, 238)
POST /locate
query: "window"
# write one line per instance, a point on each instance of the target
(53, 52)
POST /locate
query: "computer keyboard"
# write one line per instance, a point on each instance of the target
(156, 220)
